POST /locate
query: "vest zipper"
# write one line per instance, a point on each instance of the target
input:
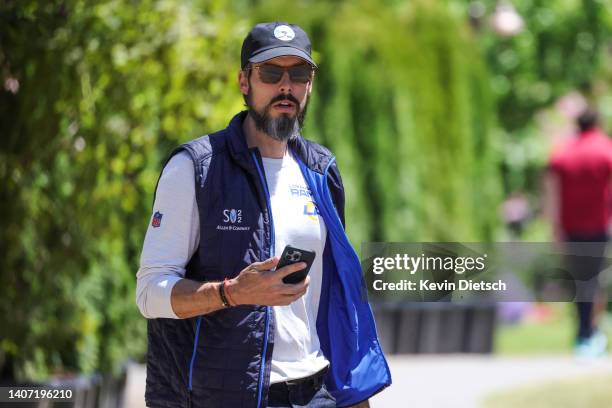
(193, 357)
(264, 183)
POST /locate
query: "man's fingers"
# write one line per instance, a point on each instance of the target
(289, 269)
(266, 265)
(296, 289)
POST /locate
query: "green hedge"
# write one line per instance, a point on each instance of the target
(106, 89)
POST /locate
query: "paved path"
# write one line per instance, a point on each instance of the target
(458, 381)
(135, 386)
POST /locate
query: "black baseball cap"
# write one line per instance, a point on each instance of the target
(277, 39)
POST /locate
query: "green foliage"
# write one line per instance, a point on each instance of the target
(559, 50)
(562, 48)
(107, 89)
(105, 92)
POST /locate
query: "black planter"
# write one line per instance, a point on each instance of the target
(435, 327)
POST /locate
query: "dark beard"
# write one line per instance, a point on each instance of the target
(284, 127)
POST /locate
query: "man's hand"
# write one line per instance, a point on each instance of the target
(362, 404)
(257, 284)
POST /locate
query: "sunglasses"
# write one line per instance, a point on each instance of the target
(272, 74)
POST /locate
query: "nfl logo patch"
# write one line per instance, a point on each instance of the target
(156, 222)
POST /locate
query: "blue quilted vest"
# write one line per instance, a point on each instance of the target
(222, 359)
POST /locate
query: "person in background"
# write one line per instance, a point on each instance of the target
(577, 202)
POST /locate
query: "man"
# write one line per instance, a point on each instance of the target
(578, 202)
(223, 329)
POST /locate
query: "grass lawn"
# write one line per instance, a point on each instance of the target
(550, 330)
(553, 334)
(591, 392)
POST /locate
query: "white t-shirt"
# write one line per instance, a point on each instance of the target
(168, 248)
(297, 352)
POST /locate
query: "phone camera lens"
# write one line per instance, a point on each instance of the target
(294, 256)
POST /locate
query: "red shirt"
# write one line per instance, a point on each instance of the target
(584, 166)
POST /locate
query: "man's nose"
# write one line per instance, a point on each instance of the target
(285, 84)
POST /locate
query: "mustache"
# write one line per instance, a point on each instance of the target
(282, 97)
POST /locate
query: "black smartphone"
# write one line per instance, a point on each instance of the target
(292, 255)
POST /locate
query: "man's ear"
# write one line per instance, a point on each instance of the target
(243, 81)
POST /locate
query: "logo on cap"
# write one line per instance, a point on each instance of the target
(284, 33)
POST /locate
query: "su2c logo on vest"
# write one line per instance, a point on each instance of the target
(234, 216)
(230, 217)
